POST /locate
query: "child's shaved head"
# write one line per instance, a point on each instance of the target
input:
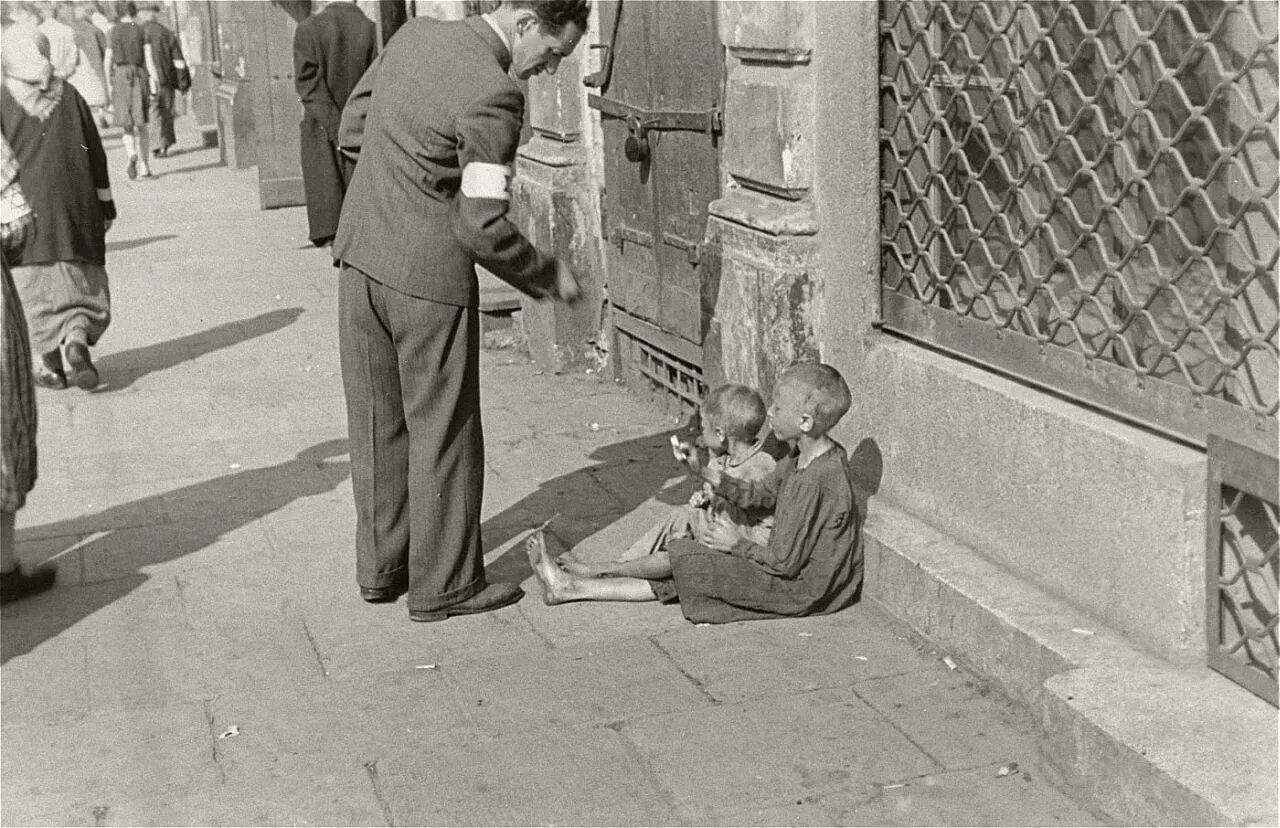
(738, 409)
(826, 394)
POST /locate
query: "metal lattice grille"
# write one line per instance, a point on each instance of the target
(1083, 193)
(1243, 567)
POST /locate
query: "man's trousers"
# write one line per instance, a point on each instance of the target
(162, 117)
(411, 372)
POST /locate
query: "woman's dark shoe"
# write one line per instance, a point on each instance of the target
(16, 585)
(132, 169)
(83, 374)
(49, 379)
(492, 597)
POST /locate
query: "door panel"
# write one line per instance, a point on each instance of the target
(667, 56)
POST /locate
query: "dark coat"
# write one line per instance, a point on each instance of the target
(331, 51)
(165, 49)
(436, 109)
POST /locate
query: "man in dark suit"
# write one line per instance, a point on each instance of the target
(436, 121)
(171, 75)
(331, 50)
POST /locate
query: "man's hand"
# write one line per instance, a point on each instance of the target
(106, 225)
(567, 288)
(15, 234)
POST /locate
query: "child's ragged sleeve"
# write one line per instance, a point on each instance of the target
(751, 494)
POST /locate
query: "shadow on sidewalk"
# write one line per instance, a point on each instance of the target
(622, 477)
(130, 244)
(190, 519)
(119, 370)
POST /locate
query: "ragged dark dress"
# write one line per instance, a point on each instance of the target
(811, 566)
(60, 274)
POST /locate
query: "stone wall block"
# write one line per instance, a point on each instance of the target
(769, 129)
(555, 103)
(765, 304)
(768, 32)
(550, 203)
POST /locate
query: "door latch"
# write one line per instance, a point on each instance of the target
(640, 122)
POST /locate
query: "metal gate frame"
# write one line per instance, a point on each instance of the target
(1255, 476)
(925, 303)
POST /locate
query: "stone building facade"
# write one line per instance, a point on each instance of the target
(1007, 513)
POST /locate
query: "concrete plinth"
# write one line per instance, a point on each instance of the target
(1151, 743)
(554, 210)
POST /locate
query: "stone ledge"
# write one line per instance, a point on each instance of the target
(1149, 742)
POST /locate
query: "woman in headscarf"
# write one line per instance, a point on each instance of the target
(18, 413)
(60, 272)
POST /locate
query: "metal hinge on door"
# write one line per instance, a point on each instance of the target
(640, 122)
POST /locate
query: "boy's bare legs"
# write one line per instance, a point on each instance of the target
(559, 586)
(657, 565)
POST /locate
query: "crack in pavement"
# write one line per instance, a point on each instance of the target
(315, 649)
(213, 735)
(371, 767)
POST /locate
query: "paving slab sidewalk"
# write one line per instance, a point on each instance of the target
(205, 658)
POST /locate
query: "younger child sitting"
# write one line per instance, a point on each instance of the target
(812, 563)
(733, 418)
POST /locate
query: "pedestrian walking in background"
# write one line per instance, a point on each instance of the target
(97, 18)
(331, 51)
(18, 411)
(436, 120)
(60, 273)
(22, 20)
(90, 78)
(64, 55)
(130, 70)
(169, 76)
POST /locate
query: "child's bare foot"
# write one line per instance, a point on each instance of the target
(557, 585)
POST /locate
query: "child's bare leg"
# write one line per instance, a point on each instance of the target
(655, 565)
(559, 586)
(675, 525)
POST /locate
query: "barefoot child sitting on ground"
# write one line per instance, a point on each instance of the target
(733, 418)
(812, 564)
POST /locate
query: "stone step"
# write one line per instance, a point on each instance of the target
(1149, 742)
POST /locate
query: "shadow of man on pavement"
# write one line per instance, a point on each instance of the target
(117, 543)
(121, 369)
(585, 501)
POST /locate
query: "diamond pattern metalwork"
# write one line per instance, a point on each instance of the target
(1093, 177)
(1250, 563)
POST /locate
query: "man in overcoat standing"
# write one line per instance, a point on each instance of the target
(436, 121)
(331, 51)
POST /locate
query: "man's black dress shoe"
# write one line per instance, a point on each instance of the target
(492, 597)
(379, 595)
(386, 594)
(16, 585)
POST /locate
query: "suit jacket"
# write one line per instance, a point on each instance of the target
(165, 49)
(331, 50)
(436, 121)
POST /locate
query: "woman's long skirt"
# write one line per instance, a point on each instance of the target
(18, 409)
(64, 302)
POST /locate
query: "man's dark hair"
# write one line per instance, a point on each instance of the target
(126, 8)
(554, 15)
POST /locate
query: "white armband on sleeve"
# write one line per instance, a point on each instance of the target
(480, 180)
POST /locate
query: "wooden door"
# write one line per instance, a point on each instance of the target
(667, 71)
